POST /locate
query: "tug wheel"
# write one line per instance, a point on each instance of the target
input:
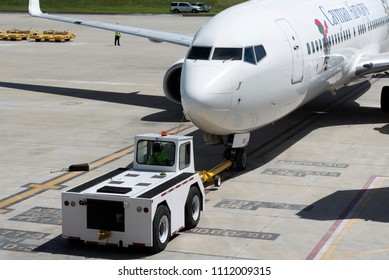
(192, 208)
(161, 228)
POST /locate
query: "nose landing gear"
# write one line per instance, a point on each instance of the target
(238, 156)
(235, 150)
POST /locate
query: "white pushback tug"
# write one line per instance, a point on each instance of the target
(144, 205)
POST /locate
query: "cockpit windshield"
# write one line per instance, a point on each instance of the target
(254, 54)
(250, 54)
(201, 53)
(227, 54)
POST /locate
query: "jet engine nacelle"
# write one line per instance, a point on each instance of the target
(172, 82)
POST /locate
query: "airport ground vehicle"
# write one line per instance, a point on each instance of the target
(52, 35)
(203, 7)
(182, 7)
(144, 205)
(16, 34)
(48, 35)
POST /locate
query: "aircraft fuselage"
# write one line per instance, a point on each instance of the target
(256, 62)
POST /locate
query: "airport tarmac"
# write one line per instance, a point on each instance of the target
(316, 186)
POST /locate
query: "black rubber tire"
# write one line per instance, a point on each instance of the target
(161, 229)
(385, 99)
(217, 181)
(241, 159)
(193, 208)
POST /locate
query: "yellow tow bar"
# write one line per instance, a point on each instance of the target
(212, 175)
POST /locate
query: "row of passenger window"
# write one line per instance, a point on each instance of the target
(331, 40)
(377, 22)
(251, 54)
(318, 45)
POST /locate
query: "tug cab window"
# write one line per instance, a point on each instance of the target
(155, 152)
(184, 155)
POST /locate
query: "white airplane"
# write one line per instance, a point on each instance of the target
(256, 62)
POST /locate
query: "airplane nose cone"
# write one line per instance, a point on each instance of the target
(207, 96)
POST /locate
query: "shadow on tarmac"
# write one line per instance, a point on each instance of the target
(375, 206)
(61, 246)
(171, 111)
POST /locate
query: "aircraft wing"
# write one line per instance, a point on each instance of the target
(153, 35)
(372, 64)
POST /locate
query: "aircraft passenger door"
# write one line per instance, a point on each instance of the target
(296, 49)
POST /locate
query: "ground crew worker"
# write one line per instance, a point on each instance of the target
(159, 157)
(117, 38)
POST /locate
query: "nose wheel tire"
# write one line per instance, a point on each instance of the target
(238, 156)
(161, 228)
(241, 159)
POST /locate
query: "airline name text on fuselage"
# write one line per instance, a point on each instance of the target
(344, 14)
